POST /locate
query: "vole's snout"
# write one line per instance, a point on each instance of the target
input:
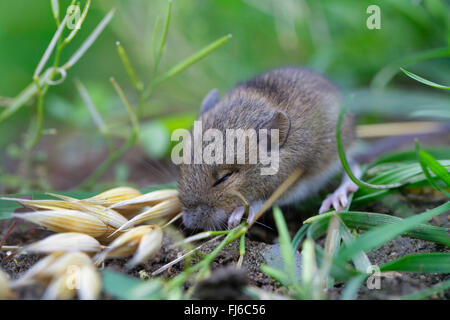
(204, 217)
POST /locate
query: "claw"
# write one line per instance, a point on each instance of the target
(235, 217)
(339, 198)
(254, 208)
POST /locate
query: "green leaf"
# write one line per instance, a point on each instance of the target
(285, 244)
(276, 274)
(435, 262)
(369, 220)
(410, 155)
(339, 270)
(344, 161)
(122, 286)
(351, 288)
(24, 96)
(426, 161)
(361, 261)
(183, 65)
(378, 236)
(301, 233)
(162, 41)
(424, 81)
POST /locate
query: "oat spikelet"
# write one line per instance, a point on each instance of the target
(148, 246)
(68, 262)
(113, 196)
(126, 244)
(66, 221)
(108, 216)
(37, 272)
(67, 273)
(90, 283)
(147, 199)
(62, 287)
(67, 241)
(164, 210)
(4, 286)
(44, 204)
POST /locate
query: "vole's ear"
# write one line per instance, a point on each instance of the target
(279, 120)
(210, 100)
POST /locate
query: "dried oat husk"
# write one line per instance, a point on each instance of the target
(5, 292)
(65, 242)
(162, 211)
(148, 246)
(108, 216)
(148, 199)
(44, 204)
(90, 283)
(37, 273)
(113, 196)
(66, 221)
(129, 242)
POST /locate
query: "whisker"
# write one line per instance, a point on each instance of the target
(264, 225)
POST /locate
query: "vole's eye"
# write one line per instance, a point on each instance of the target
(221, 177)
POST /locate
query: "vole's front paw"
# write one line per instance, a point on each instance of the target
(238, 213)
(235, 218)
(339, 198)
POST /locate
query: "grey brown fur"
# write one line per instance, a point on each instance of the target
(311, 104)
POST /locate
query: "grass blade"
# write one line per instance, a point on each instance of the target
(79, 23)
(186, 64)
(127, 287)
(55, 10)
(369, 220)
(50, 48)
(424, 81)
(127, 65)
(89, 41)
(24, 96)
(426, 161)
(351, 288)
(435, 262)
(162, 41)
(345, 163)
(301, 233)
(91, 107)
(374, 238)
(285, 244)
(361, 260)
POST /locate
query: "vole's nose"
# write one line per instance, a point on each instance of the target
(203, 218)
(190, 219)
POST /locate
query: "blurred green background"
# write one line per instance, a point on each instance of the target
(329, 36)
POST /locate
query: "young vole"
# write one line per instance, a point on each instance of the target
(304, 107)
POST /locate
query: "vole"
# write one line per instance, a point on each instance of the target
(304, 106)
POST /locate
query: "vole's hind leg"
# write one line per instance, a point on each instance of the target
(339, 198)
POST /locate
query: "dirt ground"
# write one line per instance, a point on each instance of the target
(229, 280)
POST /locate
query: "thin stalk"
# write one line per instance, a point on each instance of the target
(204, 264)
(241, 251)
(114, 156)
(345, 164)
(162, 42)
